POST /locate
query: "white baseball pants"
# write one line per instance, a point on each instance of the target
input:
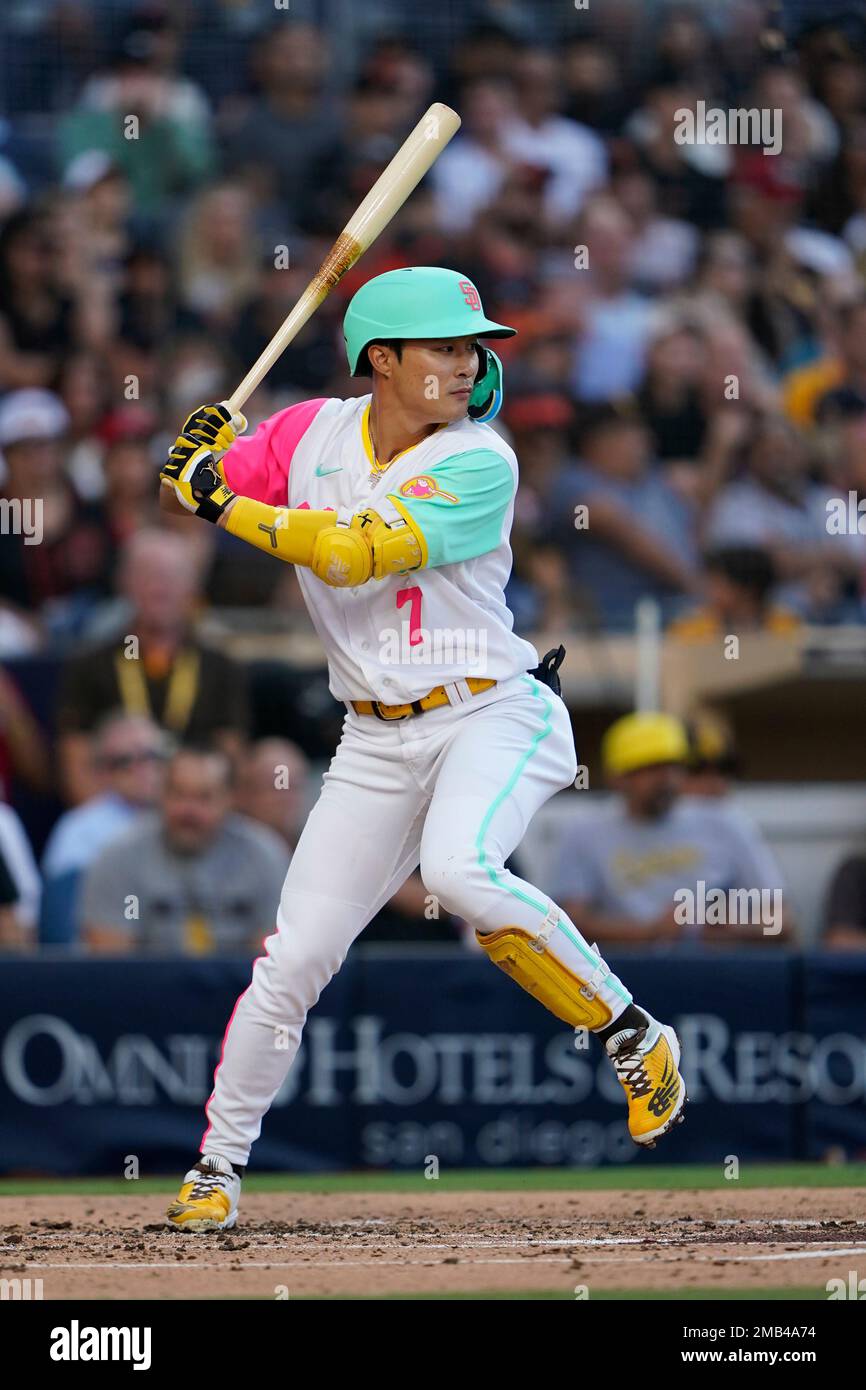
(453, 790)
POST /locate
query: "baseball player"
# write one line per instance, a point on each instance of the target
(396, 509)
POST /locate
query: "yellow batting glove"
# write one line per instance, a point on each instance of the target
(215, 426)
(194, 474)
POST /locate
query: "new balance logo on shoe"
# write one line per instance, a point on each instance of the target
(665, 1093)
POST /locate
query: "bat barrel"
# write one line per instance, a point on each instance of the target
(416, 155)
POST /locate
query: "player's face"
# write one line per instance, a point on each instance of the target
(434, 380)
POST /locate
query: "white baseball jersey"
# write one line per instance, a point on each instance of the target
(451, 790)
(396, 638)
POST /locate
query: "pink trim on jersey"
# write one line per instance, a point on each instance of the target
(241, 996)
(258, 467)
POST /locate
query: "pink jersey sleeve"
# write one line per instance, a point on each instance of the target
(258, 467)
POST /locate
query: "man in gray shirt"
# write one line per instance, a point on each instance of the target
(653, 866)
(191, 878)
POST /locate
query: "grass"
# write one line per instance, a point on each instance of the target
(634, 1178)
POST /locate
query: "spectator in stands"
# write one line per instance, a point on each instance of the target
(308, 365)
(773, 506)
(671, 396)
(539, 593)
(59, 550)
(343, 171)
(664, 249)
(94, 224)
(219, 255)
(739, 584)
(273, 787)
(81, 387)
(149, 315)
(37, 320)
(690, 177)
(128, 755)
(638, 538)
(169, 150)
(11, 932)
(17, 855)
(192, 877)
(570, 157)
(129, 502)
(850, 372)
(712, 762)
(156, 667)
(470, 171)
(644, 871)
(23, 753)
(726, 273)
(593, 81)
(845, 916)
(272, 140)
(614, 321)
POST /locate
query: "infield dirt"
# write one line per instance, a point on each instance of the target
(345, 1244)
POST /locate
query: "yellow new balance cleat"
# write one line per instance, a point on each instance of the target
(647, 1060)
(208, 1200)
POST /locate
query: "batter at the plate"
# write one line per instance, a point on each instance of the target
(397, 507)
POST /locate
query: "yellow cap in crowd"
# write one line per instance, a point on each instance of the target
(640, 740)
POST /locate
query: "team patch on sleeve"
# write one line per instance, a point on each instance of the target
(458, 506)
(423, 487)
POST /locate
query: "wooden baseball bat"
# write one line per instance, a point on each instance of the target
(415, 156)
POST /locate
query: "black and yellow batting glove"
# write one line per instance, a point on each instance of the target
(191, 467)
(194, 474)
(214, 425)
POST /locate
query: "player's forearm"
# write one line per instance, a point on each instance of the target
(338, 555)
(342, 556)
(289, 533)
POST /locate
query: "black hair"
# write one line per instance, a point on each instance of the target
(365, 366)
(750, 567)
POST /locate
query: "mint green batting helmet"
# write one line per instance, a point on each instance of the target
(425, 301)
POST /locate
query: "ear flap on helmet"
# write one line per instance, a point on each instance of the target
(486, 399)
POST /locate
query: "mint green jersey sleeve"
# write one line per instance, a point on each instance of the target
(458, 505)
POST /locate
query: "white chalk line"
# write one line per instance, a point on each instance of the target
(501, 1243)
(798, 1254)
(406, 1264)
(813, 1253)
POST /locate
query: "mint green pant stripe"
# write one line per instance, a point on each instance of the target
(497, 801)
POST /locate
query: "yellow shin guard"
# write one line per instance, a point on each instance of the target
(525, 958)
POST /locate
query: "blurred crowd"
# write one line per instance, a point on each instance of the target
(690, 366)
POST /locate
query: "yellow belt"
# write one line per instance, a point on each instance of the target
(438, 696)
